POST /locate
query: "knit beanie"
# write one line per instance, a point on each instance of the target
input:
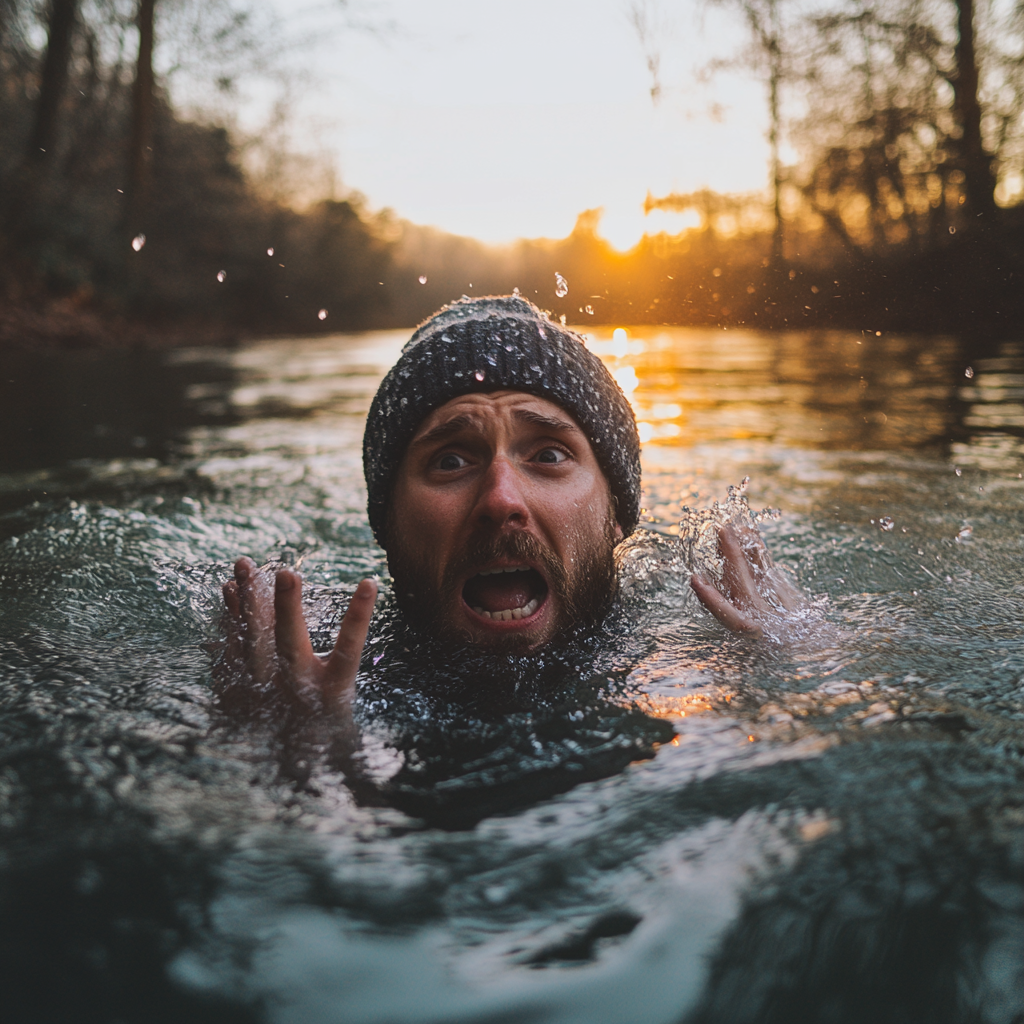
(499, 343)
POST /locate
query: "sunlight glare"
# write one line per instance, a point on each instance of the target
(627, 379)
(624, 228)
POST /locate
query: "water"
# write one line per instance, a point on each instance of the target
(834, 833)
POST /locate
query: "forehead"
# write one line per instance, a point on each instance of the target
(485, 408)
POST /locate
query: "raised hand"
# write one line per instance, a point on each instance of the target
(267, 642)
(756, 594)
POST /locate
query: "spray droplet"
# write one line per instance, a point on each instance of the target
(138, 242)
(322, 315)
(515, 293)
(562, 318)
(270, 251)
(479, 375)
(423, 278)
(964, 533)
(589, 310)
(969, 373)
(561, 285)
(958, 471)
(952, 230)
(221, 276)
(886, 523)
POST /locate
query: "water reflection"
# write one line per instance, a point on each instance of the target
(820, 390)
(994, 410)
(835, 832)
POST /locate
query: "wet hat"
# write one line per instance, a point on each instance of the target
(499, 343)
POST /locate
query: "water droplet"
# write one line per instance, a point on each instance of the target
(322, 315)
(886, 523)
(221, 276)
(423, 278)
(138, 242)
(561, 286)
(964, 533)
(535, 368)
(270, 251)
(958, 471)
(515, 293)
(479, 374)
(562, 318)
(969, 372)
(952, 230)
(589, 310)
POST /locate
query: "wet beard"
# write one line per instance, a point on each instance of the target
(583, 591)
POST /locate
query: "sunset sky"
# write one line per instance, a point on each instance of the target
(501, 120)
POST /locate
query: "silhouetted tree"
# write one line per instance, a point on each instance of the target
(140, 149)
(53, 80)
(911, 117)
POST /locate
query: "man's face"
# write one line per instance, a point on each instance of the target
(501, 530)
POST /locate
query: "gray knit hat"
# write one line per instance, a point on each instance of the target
(499, 343)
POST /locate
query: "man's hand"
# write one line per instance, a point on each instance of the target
(268, 641)
(755, 592)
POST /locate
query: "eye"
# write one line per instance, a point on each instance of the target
(450, 461)
(551, 456)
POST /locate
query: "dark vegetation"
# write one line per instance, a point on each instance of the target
(899, 213)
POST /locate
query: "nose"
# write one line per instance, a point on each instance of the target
(500, 501)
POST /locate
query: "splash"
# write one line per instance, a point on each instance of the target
(698, 530)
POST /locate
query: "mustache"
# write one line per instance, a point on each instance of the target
(515, 547)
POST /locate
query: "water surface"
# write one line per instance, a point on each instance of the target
(825, 829)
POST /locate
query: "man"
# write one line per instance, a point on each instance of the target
(502, 466)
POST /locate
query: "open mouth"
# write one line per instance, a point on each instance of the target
(505, 593)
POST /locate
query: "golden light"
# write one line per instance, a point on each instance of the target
(626, 378)
(620, 342)
(666, 411)
(624, 227)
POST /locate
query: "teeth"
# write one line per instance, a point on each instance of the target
(494, 572)
(507, 614)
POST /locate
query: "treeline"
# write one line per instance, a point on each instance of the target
(122, 220)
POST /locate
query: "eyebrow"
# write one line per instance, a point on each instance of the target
(458, 423)
(540, 420)
(443, 430)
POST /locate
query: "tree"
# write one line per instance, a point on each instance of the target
(766, 55)
(918, 104)
(140, 147)
(60, 29)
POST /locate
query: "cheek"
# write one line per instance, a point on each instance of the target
(424, 523)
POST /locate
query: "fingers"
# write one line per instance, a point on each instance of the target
(722, 609)
(294, 651)
(343, 664)
(257, 618)
(738, 576)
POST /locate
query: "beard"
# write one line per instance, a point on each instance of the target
(582, 590)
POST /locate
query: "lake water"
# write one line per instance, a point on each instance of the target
(834, 833)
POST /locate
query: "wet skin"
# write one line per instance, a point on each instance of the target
(483, 468)
(484, 465)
